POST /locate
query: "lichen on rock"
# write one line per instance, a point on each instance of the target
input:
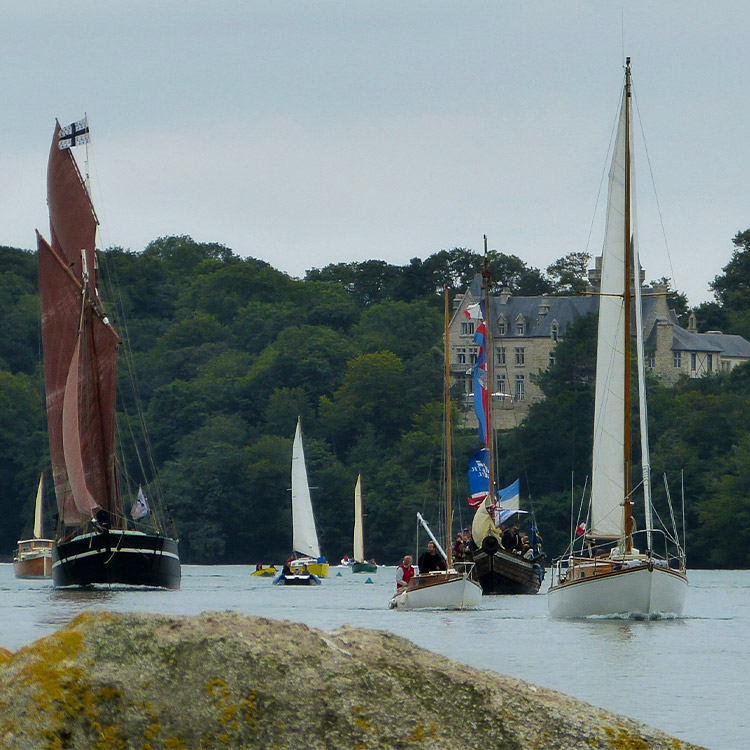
(222, 680)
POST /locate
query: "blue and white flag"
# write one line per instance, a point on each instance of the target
(479, 478)
(139, 508)
(508, 502)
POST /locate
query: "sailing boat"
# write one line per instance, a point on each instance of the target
(33, 558)
(360, 564)
(449, 588)
(608, 575)
(499, 566)
(93, 543)
(309, 566)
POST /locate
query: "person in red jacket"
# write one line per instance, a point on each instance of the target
(404, 573)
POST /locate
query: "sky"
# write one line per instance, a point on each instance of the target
(310, 132)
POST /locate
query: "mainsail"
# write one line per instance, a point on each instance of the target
(359, 536)
(80, 349)
(608, 476)
(304, 535)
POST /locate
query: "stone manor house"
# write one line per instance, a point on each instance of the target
(525, 331)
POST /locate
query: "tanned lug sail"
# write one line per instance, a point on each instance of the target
(93, 543)
(607, 575)
(33, 558)
(360, 564)
(449, 588)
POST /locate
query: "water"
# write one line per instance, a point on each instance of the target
(689, 677)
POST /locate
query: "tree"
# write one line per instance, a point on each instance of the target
(570, 273)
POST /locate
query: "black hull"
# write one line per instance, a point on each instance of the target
(128, 558)
(502, 572)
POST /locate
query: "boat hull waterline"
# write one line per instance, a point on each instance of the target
(444, 591)
(129, 558)
(644, 592)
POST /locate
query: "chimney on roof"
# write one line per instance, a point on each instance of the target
(692, 327)
(543, 306)
(505, 295)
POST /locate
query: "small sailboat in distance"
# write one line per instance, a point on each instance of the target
(360, 564)
(603, 573)
(33, 558)
(309, 566)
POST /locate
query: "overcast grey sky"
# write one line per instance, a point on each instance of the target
(308, 132)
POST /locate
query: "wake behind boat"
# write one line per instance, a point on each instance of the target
(94, 540)
(603, 573)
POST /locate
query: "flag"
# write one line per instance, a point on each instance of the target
(479, 478)
(473, 312)
(481, 393)
(140, 507)
(75, 134)
(581, 529)
(508, 502)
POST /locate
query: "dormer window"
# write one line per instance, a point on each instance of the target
(520, 326)
(501, 326)
(555, 330)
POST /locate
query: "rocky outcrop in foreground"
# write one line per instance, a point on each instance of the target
(224, 680)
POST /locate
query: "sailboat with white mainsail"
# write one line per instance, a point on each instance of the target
(33, 558)
(608, 575)
(448, 588)
(360, 564)
(308, 565)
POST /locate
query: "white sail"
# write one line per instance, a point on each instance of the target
(359, 538)
(608, 478)
(304, 535)
(38, 532)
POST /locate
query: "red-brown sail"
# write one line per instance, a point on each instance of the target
(80, 350)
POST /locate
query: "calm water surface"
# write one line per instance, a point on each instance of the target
(689, 677)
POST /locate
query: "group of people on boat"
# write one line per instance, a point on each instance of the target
(512, 541)
(429, 561)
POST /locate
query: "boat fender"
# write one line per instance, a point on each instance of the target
(650, 566)
(321, 560)
(490, 545)
(539, 571)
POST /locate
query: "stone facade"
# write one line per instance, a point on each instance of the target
(525, 331)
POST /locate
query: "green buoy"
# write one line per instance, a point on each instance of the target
(369, 580)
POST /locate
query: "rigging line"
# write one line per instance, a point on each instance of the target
(656, 194)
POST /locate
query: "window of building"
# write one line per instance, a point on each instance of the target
(710, 362)
(555, 330)
(501, 355)
(692, 361)
(552, 359)
(650, 361)
(520, 388)
(677, 359)
(520, 356)
(472, 356)
(501, 326)
(461, 356)
(467, 327)
(501, 384)
(520, 326)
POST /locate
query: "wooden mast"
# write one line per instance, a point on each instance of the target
(490, 372)
(448, 467)
(627, 292)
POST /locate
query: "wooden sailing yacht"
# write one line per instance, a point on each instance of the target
(498, 570)
(360, 564)
(608, 575)
(449, 588)
(33, 558)
(309, 566)
(93, 541)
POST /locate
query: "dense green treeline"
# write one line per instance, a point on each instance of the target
(227, 351)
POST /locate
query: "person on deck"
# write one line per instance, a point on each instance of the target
(431, 560)
(404, 573)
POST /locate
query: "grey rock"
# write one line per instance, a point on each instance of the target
(225, 680)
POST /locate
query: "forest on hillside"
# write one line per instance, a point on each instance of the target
(226, 352)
